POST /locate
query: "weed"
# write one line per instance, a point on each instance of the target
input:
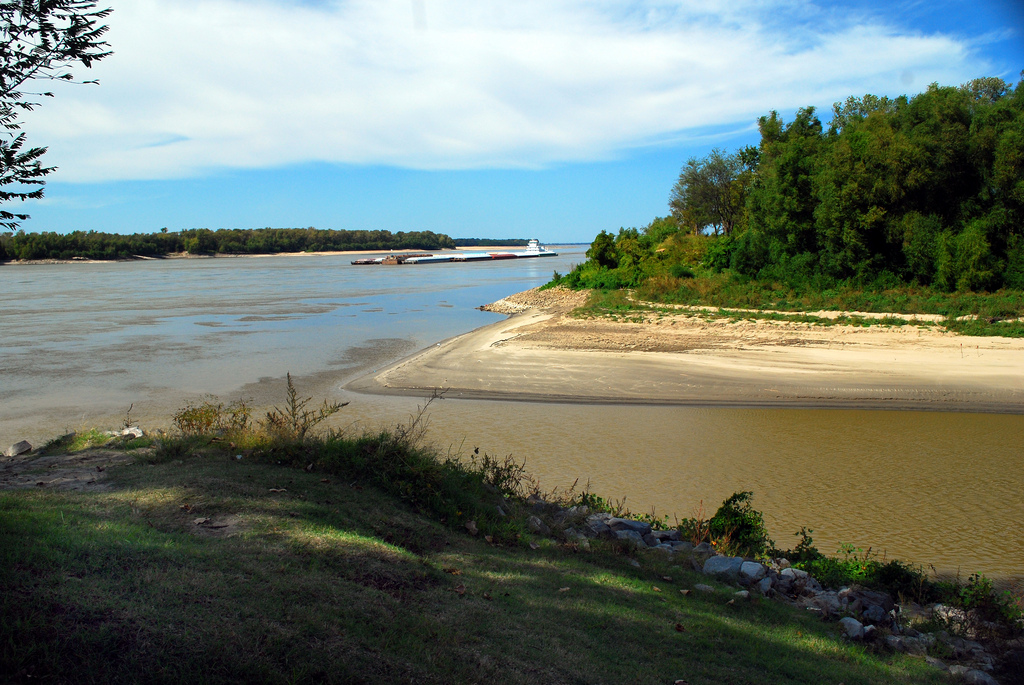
(211, 415)
(294, 422)
(696, 528)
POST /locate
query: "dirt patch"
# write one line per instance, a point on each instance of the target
(668, 334)
(221, 526)
(82, 471)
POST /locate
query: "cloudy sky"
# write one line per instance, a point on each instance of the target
(546, 118)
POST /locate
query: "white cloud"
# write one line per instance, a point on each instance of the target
(196, 85)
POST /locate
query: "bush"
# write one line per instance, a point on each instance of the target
(480, 489)
(739, 527)
(680, 271)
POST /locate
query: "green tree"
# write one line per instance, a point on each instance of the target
(711, 192)
(40, 40)
(602, 251)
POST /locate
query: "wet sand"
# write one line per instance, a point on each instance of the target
(544, 354)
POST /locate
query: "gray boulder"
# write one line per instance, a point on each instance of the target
(723, 567)
(875, 615)
(783, 583)
(631, 536)
(700, 587)
(537, 526)
(973, 676)
(573, 535)
(682, 546)
(667, 535)
(764, 586)
(852, 628)
(18, 448)
(917, 646)
(751, 572)
(638, 527)
(704, 548)
(793, 574)
(662, 547)
(596, 528)
(828, 602)
(651, 540)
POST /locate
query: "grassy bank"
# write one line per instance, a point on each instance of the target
(730, 296)
(313, 579)
(265, 551)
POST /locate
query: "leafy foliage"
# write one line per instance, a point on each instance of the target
(739, 526)
(917, 193)
(710, 192)
(39, 40)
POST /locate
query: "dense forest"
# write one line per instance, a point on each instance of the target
(95, 245)
(915, 192)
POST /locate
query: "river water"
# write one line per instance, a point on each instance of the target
(80, 343)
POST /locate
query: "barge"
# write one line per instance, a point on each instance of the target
(533, 249)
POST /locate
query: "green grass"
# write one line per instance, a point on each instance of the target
(69, 443)
(334, 580)
(77, 442)
(972, 314)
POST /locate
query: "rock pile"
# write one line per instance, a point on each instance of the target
(552, 298)
(863, 615)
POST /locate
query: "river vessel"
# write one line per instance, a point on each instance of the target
(533, 249)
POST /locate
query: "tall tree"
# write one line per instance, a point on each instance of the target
(40, 40)
(710, 192)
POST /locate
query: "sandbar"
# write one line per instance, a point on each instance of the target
(543, 353)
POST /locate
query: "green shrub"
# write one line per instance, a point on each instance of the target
(680, 271)
(739, 527)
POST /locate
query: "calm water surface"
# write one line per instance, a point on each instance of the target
(80, 343)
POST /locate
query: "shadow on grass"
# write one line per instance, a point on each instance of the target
(326, 582)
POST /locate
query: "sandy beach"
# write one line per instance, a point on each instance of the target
(541, 353)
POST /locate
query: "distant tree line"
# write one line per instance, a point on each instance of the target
(489, 242)
(97, 245)
(925, 190)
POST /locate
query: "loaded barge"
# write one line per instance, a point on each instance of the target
(533, 249)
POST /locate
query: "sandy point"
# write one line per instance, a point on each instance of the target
(544, 353)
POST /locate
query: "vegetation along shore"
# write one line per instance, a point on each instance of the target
(354, 558)
(913, 205)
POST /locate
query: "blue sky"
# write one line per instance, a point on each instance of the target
(540, 118)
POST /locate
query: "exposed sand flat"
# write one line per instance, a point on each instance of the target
(542, 354)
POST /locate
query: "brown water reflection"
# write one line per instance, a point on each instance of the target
(933, 488)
